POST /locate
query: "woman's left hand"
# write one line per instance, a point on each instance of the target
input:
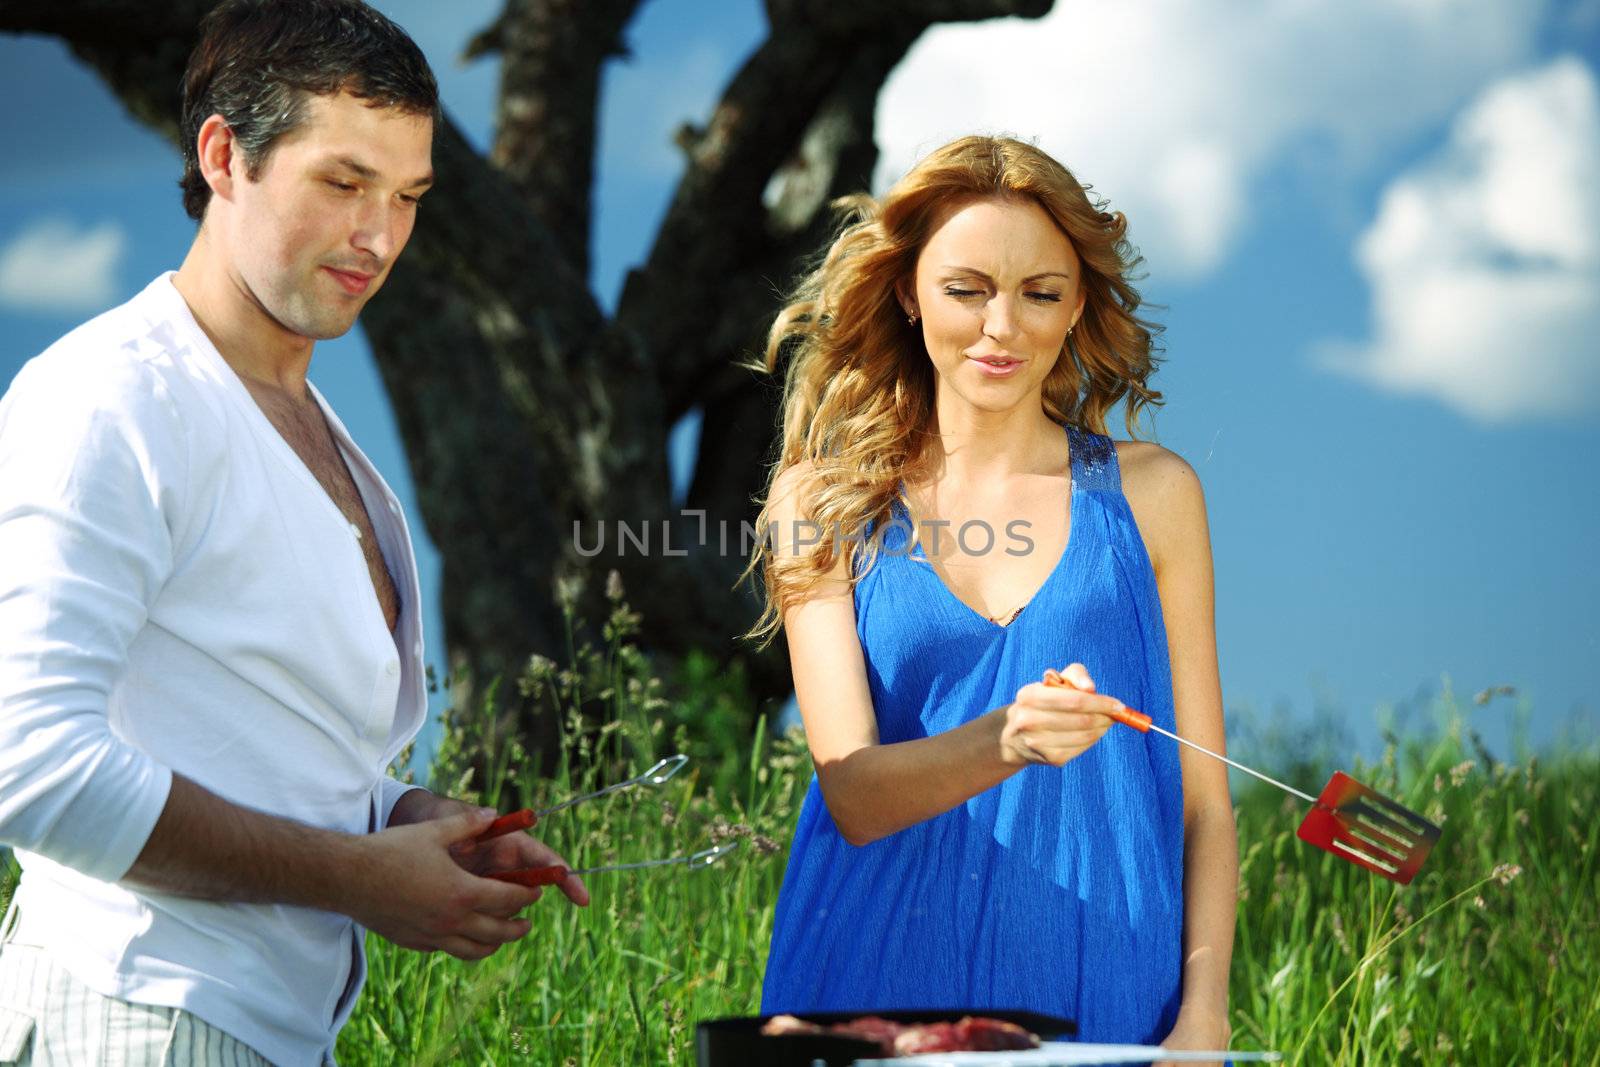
(1197, 1029)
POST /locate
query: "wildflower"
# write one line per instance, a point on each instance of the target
(613, 586)
(1479, 903)
(535, 675)
(1339, 934)
(569, 587)
(674, 1016)
(1459, 772)
(764, 845)
(1504, 873)
(623, 623)
(1485, 695)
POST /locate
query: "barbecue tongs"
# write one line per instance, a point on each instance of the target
(527, 817)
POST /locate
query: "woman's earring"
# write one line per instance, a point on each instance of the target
(912, 318)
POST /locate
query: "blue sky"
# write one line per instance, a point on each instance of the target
(1374, 227)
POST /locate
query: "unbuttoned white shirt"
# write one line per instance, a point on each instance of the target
(179, 594)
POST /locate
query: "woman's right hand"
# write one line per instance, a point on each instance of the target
(1051, 724)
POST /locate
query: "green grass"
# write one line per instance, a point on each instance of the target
(1332, 965)
(1477, 962)
(1491, 956)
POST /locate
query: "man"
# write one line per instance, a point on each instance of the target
(210, 647)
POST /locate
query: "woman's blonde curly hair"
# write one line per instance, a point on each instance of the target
(859, 394)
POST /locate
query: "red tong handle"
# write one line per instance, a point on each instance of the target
(534, 876)
(510, 824)
(526, 876)
(1127, 716)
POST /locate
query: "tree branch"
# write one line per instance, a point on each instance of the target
(138, 48)
(107, 21)
(836, 155)
(842, 18)
(717, 232)
(552, 52)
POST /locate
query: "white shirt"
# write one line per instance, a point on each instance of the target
(178, 593)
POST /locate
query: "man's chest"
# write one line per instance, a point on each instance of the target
(306, 432)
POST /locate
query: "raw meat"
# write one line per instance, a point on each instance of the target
(971, 1033)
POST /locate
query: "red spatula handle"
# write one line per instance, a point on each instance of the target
(510, 824)
(1127, 716)
(534, 876)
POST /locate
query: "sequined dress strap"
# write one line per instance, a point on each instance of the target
(1094, 461)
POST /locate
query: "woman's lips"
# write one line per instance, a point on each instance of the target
(354, 284)
(997, 366)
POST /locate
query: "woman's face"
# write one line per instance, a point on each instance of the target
(997, 286)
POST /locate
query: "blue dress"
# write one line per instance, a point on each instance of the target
(1060, 890)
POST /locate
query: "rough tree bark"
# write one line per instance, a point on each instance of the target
(524, 409)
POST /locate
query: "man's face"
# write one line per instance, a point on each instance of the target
(314, 235)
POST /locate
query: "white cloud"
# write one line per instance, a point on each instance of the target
(53, 266)
(1175, 109)
(1484, 260)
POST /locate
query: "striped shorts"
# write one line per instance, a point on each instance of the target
(50, 1019)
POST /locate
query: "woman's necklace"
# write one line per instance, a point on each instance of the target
(1010, 619)
(1001, 619)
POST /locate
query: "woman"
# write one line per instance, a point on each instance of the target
(947, 521)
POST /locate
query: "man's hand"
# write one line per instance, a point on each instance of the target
(405, 883)
(507, 852)
(411, 888)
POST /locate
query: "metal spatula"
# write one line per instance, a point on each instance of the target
(1349, 819)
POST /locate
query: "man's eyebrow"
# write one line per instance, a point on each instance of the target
(1030, 278)
(360, 170)
(366, 173)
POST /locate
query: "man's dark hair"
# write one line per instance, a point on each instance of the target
(259, 60)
